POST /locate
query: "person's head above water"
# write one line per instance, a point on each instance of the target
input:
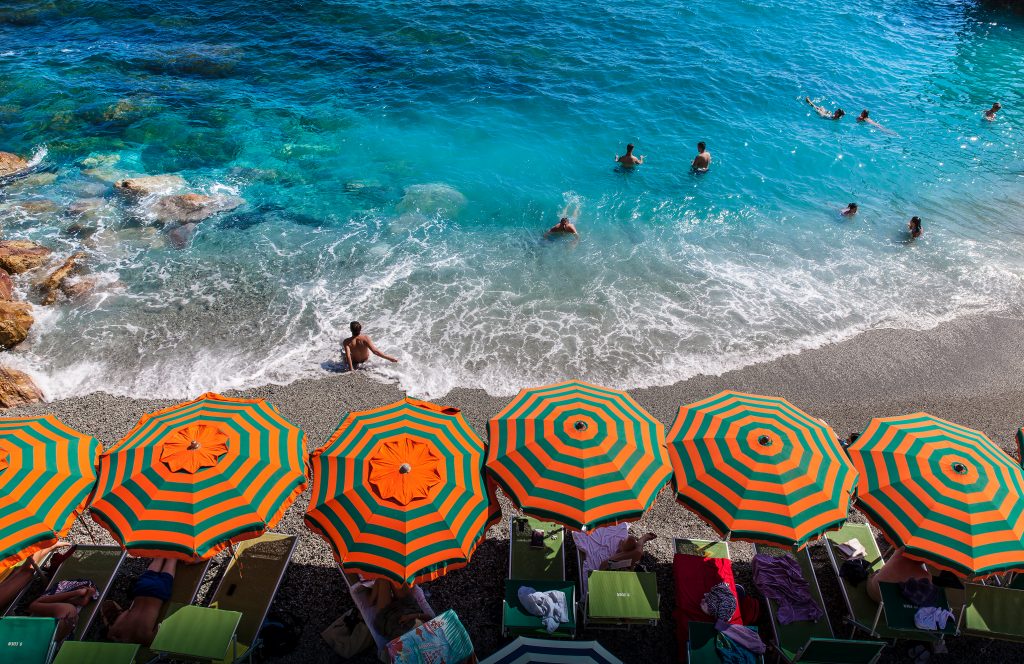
(863, 115)
(356, 328)
(564, 221)
(838, 114)
(629, 148)
(701, 147)
(850, 210)
(996, 106)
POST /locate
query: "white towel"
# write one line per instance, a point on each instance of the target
(852, 549)
(549, 606)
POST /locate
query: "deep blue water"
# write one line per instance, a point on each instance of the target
(401, 160)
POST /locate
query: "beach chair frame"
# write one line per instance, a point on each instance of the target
(48, 625)
(1015, 597)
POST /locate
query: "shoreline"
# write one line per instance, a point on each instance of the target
(966, 370)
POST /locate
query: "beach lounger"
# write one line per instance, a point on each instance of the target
(862, 612)
(188, 579)
(92, 652)
(994, 612)
(595, 547)
(621, 599)
(360, 597)
(98, 563)
(199, 633)
(6, 574)
(814, 642)
(541, 568)
(700, 648)
(697, 566)
(250, 583)
(27, 640)
(417, 645)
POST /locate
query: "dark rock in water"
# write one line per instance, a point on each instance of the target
(17, 388)
(269, 213)
(38, 206)
(192, 208)
(50, 287)
(6, 286)
(76, 287)
(194, 149)
(11, 163)
(148, 184)
(15, 321)
(179, 236)
(211, 62)
(26, 12)
(17, 256)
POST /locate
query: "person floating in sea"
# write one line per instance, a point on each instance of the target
(865, 117)
(702, 161)
(566, 224)
(850, 210)
(914, 227)
(990, 114)
(824, 112)
(629, 160)
(358, 347)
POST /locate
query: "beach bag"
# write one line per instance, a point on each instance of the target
(279, 635)
(348, 635)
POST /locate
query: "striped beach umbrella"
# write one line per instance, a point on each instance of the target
(191, 479)
(525, 650)
(947, 493)
(47, 471)
(759, 469)
(398, 492)
(578, 454)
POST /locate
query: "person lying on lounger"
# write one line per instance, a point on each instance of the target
(397, 609)
(631, 549)
(897, 569)
(138, 623)
(20, 578)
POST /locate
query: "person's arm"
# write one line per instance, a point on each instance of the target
(348, 356)
(640, 159)
(373, 349)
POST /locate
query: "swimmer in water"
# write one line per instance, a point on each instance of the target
(566, 224)
(850, 210)
(990, 114)
(824, 112)
(629, 160)
(702, 161)
(914, 227)
(864, 117)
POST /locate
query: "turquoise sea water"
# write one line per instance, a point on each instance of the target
(401, 160)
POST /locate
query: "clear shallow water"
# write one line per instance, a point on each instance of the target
(401, 160)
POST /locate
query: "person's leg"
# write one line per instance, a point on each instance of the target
(629, 549)
(169, 566)
(12, 586)
(65, 613)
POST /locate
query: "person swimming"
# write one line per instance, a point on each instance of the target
(850, 210)
(702, 161)
(865, 118)
(824, 112)
(990, 114)
(629, 160)
(566, 224)
(914, 227)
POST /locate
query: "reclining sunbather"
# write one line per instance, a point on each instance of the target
(138, 623)
(631, 549)
(20, 578)
(897, 569)
(64, 602)
(397, 609)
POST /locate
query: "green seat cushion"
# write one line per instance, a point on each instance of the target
(995, 612)
(841, 651)
(623, 595)
(518, 620)
(701, 646)
(26, 640)
(91, 652)
(197, 632)
(702, 548)
(528, 562)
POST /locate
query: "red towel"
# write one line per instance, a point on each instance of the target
(694, 576)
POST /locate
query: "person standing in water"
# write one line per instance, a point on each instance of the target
(914, 227)
(702, 161)
(629, 160)
(358, 347)
(824, 112)
(850, 210)
(990, 114)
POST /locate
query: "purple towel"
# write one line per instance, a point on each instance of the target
(779, 578)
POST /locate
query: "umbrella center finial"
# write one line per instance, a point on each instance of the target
(580, 425)
(959, 468)
(764, 441)
(194, 445)
(405, 468)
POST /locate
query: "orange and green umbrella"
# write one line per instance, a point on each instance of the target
(757, 468)
(947, 493)
(578, 454)
(47, 471)
(191, 479)
(398, 492)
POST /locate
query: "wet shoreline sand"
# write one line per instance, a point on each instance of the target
(967, 371)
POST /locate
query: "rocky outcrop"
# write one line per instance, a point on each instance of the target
(76, 287)
(17, 388)
(147, 185)
(192, 208)
(11, 163)
(52, 285)
(6, 286)
(17, 256)
(15, 321)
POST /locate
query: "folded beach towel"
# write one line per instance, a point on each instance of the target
(932, 618)
(780, 578)
(549, 606)
(852, 548)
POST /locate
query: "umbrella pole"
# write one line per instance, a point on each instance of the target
(88, 529)
(231, 550)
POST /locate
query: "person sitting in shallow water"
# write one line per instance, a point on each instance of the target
(824, 112)
(990, 114)
(914, 227)
(629, 160)
(702, 161)
(565, 225)
(850, 210)
(358, 347)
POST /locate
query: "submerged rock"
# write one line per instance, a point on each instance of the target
(51, 286)
(181, 235)
(6, 286)
(15, 321)
(192, 208)
(429, 199)
(11, 163)
(149, 184)
(17, 256)
(17, 388)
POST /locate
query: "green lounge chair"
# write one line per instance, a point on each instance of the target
(27, 640)
(621, 599)
(702, 548)
(994, 612)
(199, 634)
(250, 583)
(99, 564)
(899, 613)
(862, 612)
(91, 652)
(541, 568)
(188, 579)
(814, 642)
(700, 649)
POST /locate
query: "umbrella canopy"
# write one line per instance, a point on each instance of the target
(525, 650)
(191, 479)
(947, 493)
(398, 492)
(46, 473)
(760, 469)
(578, 454)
